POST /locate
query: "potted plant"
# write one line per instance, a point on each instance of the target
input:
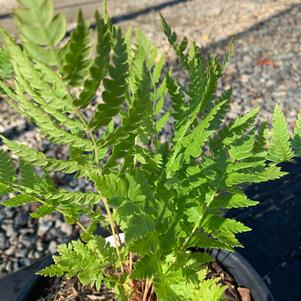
(161, 198)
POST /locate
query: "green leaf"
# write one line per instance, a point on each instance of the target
(7, 169)
(232, 201)
(242, 148)
(158, 69)
(39, 159)
(100, 65)
(88, 261)
(224, 229)
(78, 198)
(238, 127)
(40, 30)
(57, 29)
(115, 87)
(177, 97)
(19, 200)
(172, 39)
(47, 126)
(200, 134)
(28, 177)
(42, 211)
(146, 267)
(110, 185)
(164, 292)
(279, 148)
(296, 141)
(256, 175)
(162, 121)
(6, 68)
(5, 189)
(138, 227)
(77, 54)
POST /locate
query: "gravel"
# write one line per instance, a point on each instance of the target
(264, 69)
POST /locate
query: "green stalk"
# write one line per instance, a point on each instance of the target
(104, 200)
(112, 225)
(198, 223)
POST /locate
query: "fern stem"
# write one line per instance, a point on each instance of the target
(64, 214)
(151, 294)
(18, 188)
(90, 134)
(104, 200)
(148, 284)
(112, 225)
(198, 223)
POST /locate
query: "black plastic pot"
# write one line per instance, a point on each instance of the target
(244, 274)
(238, 267)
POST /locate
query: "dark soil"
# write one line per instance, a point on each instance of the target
(61, 289)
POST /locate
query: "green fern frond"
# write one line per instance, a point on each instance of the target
(255, 176)
(296, 141)
(14, 100)
(40, 30)
(100, 65)
(86, 261)
(224, 229)
(138, 226)
(260, 146)
(38, 159)
(220, 116)
(77, 53)
(115, 87)
(123, 138)
(238, 127)
(145, 267)
(6, 69)
(7, 169)
(197, 74)
(79, 198)
(172, 39)
(19, 200)
(279, 149)
(46, 125)
(42, 211)
(41, 80)
(177, 97)
(195, 140)
(110, 185)
(29, 178)
(242, 148)
(230, 201)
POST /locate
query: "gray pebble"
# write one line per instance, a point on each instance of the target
(2, 240)
(22, 253)
(10, 251)
(43, 227)
(52, 247)
(21, 219)
(24, 261)
(39, 245)
(37, 255)
(28, 240)
(9, 230)
(67, 229)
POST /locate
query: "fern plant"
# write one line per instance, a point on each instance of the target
(165, 197)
